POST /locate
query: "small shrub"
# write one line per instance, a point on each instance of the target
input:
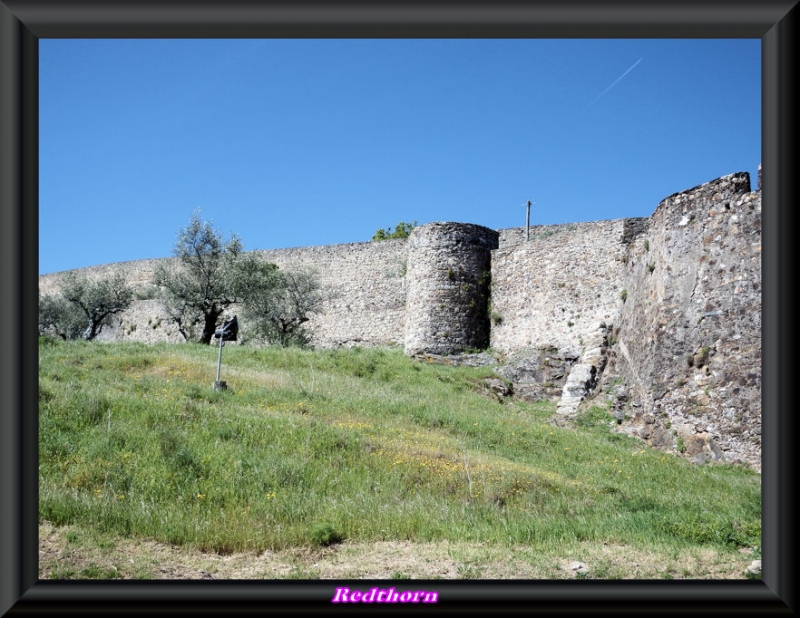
(702, 527)
(594, 417)
(623, 295)
(651, 267)
(325, 534)
(401, 230)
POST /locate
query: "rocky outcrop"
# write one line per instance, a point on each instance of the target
(538, 375)
(585, 374)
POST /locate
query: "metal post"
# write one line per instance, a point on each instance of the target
(528, 220)
(229, 331)
(219, 386)
(219, 358)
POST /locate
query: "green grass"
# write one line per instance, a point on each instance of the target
(311, 448)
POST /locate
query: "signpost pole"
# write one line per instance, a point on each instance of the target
(219, 359)
(229, 331)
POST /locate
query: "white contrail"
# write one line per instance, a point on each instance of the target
(616, 81)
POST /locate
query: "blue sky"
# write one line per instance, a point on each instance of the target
(292, 142)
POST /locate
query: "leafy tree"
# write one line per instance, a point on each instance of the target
(212, 275)
(84, 306)
(276, 303)
(205, 282)
(59, 317)
(401, 230)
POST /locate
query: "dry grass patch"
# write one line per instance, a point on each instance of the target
(68, 552)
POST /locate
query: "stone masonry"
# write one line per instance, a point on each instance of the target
(449, 271)
(555, 289)
(688, 337)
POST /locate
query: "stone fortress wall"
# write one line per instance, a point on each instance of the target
(365, 281)
(661, 315)
(555, 289)
(688, 337)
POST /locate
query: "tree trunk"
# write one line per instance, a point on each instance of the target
(209, 326)
(92, 329)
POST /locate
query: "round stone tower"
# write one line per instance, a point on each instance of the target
(448, 279)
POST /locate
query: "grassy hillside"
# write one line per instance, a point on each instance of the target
(312, 448)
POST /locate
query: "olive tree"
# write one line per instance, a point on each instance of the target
(202, 283)
(59, 318)
(277, 303)
(212, 275)
(84, 306)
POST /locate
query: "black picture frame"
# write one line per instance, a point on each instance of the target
(24, 22)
